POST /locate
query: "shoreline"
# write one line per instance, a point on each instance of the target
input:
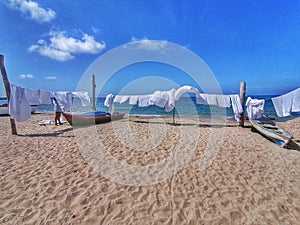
(46, 178)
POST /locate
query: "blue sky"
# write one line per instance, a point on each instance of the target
(50, 44)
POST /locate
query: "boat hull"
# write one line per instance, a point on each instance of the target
(272, 131)
(4, 109)
(79, 120)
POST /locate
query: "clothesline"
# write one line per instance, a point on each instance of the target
(167, 99)
(284, 105)
(21, 98)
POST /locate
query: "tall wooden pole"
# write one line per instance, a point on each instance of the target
(242, 98)
(7, 89)
(174, 116)
(93, 93)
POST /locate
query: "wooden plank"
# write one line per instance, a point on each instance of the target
(242, 98)
(93, 93)
(7, 89)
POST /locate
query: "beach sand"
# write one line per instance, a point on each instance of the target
(191, 173)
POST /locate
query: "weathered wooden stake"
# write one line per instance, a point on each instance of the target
(242, 98)
(7, 89)
(93, 93)
(174, 116)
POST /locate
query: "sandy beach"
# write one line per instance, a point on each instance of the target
(152, 172)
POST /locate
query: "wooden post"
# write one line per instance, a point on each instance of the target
(242, 98)
(174, 116)
(7, 89)
(93, 93)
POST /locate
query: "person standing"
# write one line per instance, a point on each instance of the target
(58, 111)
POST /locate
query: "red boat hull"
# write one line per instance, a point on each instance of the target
(74, 120)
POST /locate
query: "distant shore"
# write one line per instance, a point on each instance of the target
(47, 178)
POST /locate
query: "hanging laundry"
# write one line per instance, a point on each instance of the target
(159, 98)
(143, 101)
(201, 99)
(167, 99)
(121, 98)
(19, 107)
(255, 108)
(171, 102)
(33, 96)
(109, 102)
(286, 104)
(45, 97)
(236, 107)
(217, 100)
(296, 100)
(133, 100)
(64, 99)
(185, 89)
(84, 97)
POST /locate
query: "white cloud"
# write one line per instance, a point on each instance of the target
(26, 76)
(51, 78)
(95, 30)
(149, 44)
(62, 48)
(32, 10)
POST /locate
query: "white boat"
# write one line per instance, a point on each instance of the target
(4, 109)
(271, 130)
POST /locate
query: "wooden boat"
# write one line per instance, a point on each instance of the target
(91, 118)
(271, 130)
(4, 109)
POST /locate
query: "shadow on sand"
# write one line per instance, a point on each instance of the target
(294, 145)
(204, 125)
(57, 133)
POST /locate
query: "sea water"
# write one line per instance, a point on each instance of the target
(185, 107)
